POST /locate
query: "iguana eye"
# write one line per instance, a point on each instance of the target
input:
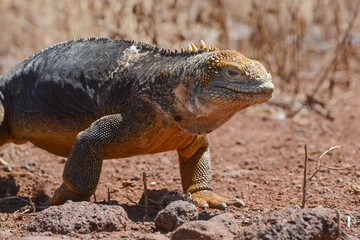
(232, 73)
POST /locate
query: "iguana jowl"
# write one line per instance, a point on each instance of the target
(97, 99)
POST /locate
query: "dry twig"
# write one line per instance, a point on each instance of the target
(12, 198)
(156, 175)
(146, 200)
(353, 187)
(320, 164)
(338, 222)
(305, 178)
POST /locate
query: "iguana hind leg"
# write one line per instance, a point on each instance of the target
(82, 170)
(195, 169)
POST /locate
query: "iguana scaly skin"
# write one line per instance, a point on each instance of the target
(97, 99)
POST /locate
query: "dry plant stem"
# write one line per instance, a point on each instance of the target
(338, 222)
(339, 48)
(353, 187)
(128, 198)
(109, 198)
(13, 197)
(305, 173)
(32, 205)
(319, 164)
(328, 150)
(146, 200)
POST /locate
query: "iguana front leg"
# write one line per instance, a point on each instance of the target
(195, 169)
(83, 167)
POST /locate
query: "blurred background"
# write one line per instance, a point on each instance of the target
(309, 46)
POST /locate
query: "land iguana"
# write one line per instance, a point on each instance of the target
(97, 99)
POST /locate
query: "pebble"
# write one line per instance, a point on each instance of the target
(128, 184)
(164, 160)
(231, 188)
(26, 167)
(136, 177)
(7, 168)
(3, 162)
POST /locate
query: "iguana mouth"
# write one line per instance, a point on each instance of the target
(265, 91)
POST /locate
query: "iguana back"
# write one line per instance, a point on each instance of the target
(60, 91)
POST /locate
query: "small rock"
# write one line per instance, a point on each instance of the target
(7, 168)
(199, 230)
(291, 223)
(150, 236)
(155, 196)
(41, 238)
(32, 164)
(176, 214)
(80, 217)
(231, 188)
(171, 196)
(338, 180)
(128, 184)
(8, 187)
(240, 142)
(164, 160)
(136, 177)
(26, 167)
(223, 226)
(3, 162)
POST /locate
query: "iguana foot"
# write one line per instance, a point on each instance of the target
(62, 194)
(207, 198)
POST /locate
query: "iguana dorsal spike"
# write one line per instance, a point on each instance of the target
(189, 48)
(193, 47)
(162, 51)
(182, 49)
(213, 48)
(202, 44)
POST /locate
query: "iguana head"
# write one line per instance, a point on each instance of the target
(225, 83)
(231, 79)
(201, 88)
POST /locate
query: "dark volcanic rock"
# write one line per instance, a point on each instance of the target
(176, 214)
(291, 223)
(80, 217)
(8, 187)
(223, 226)
(150, 236)
(43, 238)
